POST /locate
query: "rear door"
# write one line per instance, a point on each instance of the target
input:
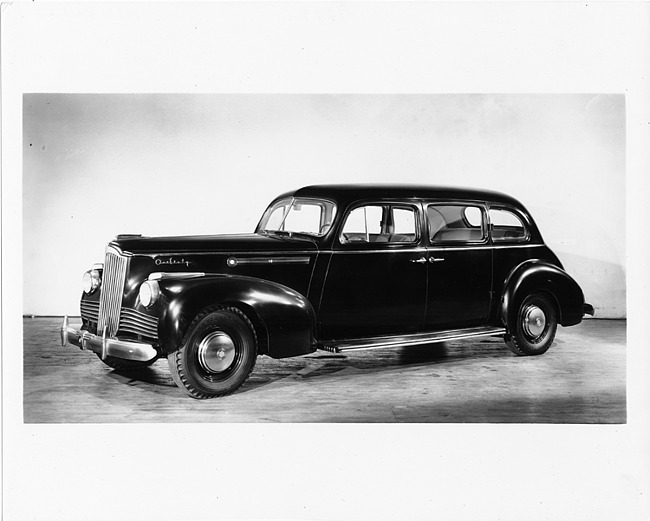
(376, 283)
(459, 265)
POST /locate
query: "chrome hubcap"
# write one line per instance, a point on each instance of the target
(534, 321)
(216, 352)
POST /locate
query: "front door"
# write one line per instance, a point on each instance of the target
(376, 282)
(459, 265)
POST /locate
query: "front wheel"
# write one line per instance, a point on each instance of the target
(532, 330)
(217, 355)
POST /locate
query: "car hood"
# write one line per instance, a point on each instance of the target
(244, 243)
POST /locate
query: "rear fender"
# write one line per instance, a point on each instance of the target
(540, 276)
(284, 320)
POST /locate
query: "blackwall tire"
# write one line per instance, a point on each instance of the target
(217, 356)
(532, 329)
(121, 364)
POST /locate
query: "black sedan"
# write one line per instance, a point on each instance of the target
(328, 267)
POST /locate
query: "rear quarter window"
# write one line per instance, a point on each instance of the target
(507, 226)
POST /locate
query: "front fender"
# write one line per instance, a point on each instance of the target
(284, 320)
(541, 276)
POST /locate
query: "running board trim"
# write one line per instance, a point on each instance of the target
(337, 346)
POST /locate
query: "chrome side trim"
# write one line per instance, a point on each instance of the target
(233, 252)
(235, 261)
(361, 252)
(338, 346)
(188, 253)
(435, 248)
(488, 247)
(161, 275)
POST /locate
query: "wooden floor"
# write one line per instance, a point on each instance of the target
(581, 379)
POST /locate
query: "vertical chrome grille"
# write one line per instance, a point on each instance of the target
(110, 300)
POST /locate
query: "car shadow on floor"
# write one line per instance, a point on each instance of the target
(156, 375)
(318, 365)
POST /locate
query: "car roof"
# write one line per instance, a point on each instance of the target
(343, 193)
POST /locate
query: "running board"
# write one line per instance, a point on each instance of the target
(337, 346)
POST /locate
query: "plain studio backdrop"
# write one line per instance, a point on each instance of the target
(96, 165)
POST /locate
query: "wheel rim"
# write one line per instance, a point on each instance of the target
(216, 352)
(534, 321)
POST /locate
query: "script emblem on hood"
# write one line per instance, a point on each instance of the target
(171, 261)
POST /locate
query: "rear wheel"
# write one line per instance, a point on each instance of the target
(532, 330)
(217, 355)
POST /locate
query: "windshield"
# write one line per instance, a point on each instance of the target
(296, 215)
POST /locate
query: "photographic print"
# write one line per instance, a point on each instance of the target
(359, 257)
(339, 256)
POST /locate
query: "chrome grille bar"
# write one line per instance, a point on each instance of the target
(133, 321)
(110, 300)
(90, 310)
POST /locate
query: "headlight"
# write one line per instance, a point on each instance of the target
(91, 281)
(149, 293)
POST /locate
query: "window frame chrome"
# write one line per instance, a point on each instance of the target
(416, 205)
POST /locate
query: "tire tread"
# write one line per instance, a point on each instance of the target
(514, 339)
(176, 364)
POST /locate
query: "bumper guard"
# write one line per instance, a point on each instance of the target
(105, 346)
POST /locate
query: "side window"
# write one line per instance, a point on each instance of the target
(402, 227)
(363, 224)
(506, 226)
(380, 224)
(454, 223)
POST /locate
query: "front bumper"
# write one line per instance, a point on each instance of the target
(105, 346)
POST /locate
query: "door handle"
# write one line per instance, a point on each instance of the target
(421, 260)
(435, 259)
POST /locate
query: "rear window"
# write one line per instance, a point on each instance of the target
(455, 223)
